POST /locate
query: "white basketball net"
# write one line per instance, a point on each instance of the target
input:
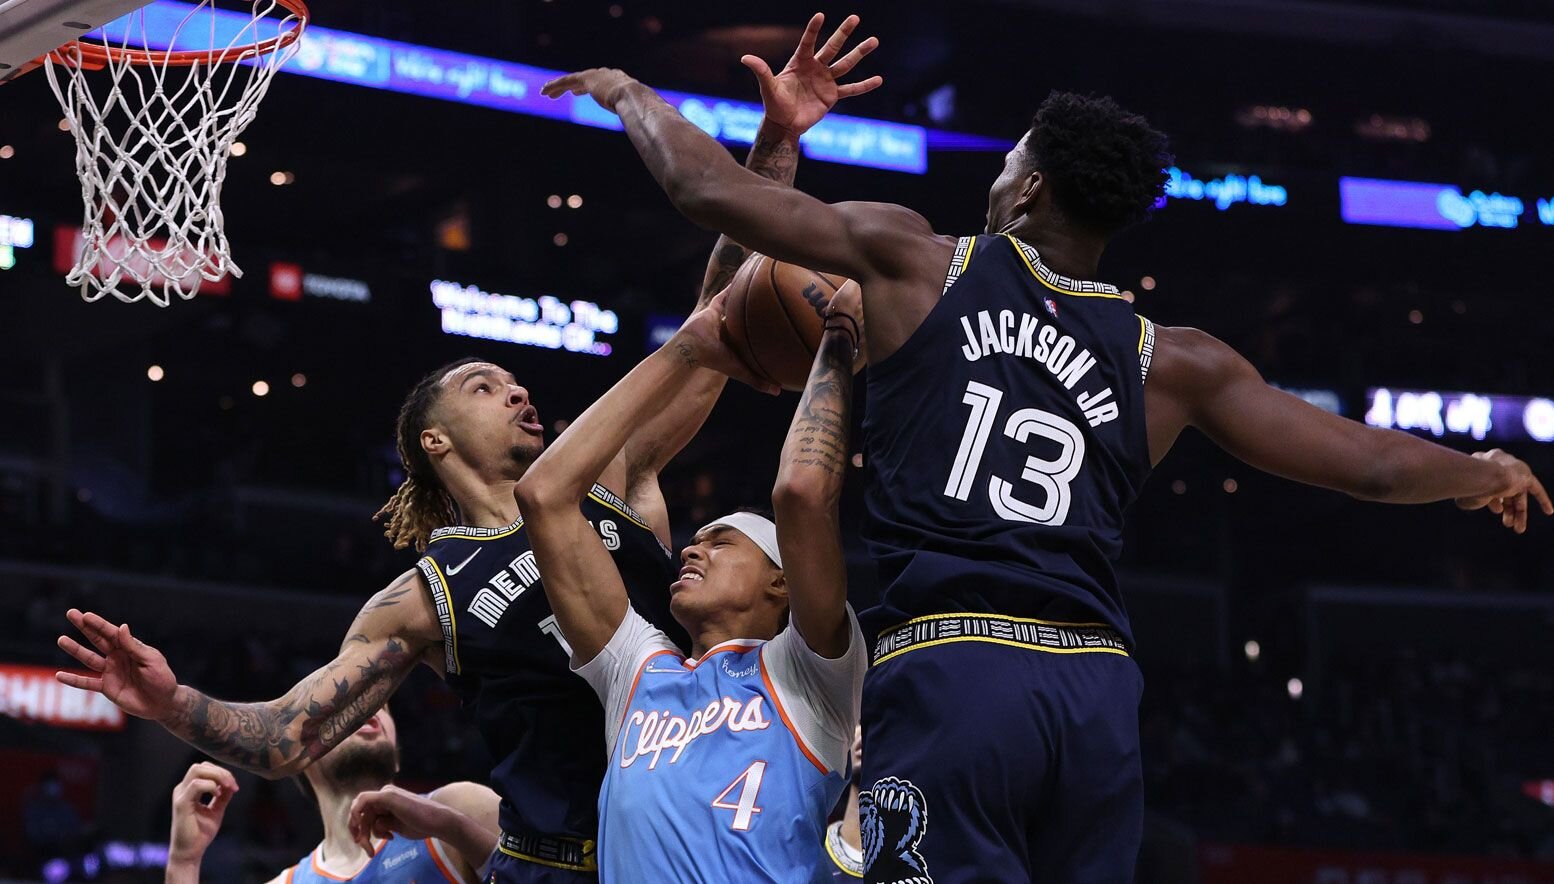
(152, 143)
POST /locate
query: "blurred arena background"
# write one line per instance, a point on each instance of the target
(1364, 206)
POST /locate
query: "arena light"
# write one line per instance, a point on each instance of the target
(546, 322)
(410, 69)
(1477, 416)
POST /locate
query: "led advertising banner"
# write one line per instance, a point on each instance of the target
(1476, 416)
(1428, 206)
(546, 322)
(407, 68)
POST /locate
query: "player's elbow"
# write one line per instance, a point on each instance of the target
(804, 495)
(538, 491)
(701, 198)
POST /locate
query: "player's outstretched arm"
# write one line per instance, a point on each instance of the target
(461, 815)
(809, 484)
(280, 737)
(581, 581)
(793, 101)
(863, 241)
(1197, 380)
(195, 823)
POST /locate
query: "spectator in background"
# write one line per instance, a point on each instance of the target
(456, 835)
(50, 822)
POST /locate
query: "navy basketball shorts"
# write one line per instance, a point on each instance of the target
(509, 869)
(989, 761)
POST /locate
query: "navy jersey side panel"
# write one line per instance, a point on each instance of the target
(506, 658)
(1004, 441)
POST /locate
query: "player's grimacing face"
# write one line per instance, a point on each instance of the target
(488, 414)
(721, 571)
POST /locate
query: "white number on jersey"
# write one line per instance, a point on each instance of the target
(1052, 477)
(744, 808)
(553, 629)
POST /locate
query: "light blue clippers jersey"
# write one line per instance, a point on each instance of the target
(709, 779)
(399, 860)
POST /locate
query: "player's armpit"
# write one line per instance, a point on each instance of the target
(283, 736)
(1198, 380)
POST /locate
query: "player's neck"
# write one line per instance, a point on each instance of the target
(710, 635)
(485, 504)
(850, 832)
(1073, 255)
(337, 853)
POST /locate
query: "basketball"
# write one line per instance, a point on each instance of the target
(773, 318)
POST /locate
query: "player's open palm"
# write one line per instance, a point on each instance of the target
(131, 673)
(806, 89)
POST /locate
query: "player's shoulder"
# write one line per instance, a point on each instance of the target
(1190, 357)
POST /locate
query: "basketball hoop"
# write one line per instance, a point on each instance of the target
(154, 125)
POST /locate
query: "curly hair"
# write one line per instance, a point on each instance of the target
(422, 504)
(1107, 166)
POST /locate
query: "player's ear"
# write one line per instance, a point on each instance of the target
(1029, 189)
(778, 588)
(435, 442)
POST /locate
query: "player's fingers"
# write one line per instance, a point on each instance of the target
(79, 620)
(1535, 488)
(759, 67)
(860, 87)
(851, 59)
(84, 655)
(561, 85)
(215, 772)
(811, 33)
(102, 633)
(1495, 505)
(85, 683)
(839, 39)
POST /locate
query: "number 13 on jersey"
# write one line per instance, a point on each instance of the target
(1052, 477)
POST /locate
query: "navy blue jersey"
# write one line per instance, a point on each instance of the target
(1004, 440)
(505, 657)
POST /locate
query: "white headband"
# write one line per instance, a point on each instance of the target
(759, 529)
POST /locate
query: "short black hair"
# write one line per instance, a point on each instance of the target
(1107, 166)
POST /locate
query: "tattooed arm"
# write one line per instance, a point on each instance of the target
(793, 100)
(673, 425)
(395, 629)
(809, 485)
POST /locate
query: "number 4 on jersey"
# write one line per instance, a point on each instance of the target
(1051, 476)
(744, 807)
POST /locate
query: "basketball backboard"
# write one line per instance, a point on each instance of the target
(30, 29)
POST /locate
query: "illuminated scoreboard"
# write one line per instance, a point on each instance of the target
(546, 321)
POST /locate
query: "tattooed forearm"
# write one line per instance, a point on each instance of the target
(818, 437)
(282, 736)
(774, 155)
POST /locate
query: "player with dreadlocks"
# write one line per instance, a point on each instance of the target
(472, 608)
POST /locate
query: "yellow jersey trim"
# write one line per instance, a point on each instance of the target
(1143, 327)
(1043, 279)
(837, 861)
(453, 623)
(482, 534)
(591, 865)
(999, 641)
(625, 515)
(963, 614)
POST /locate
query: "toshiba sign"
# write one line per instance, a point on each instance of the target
(289, 282)
(31, 693)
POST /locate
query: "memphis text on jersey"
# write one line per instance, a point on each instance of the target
(520, 575)
(1029, 337)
